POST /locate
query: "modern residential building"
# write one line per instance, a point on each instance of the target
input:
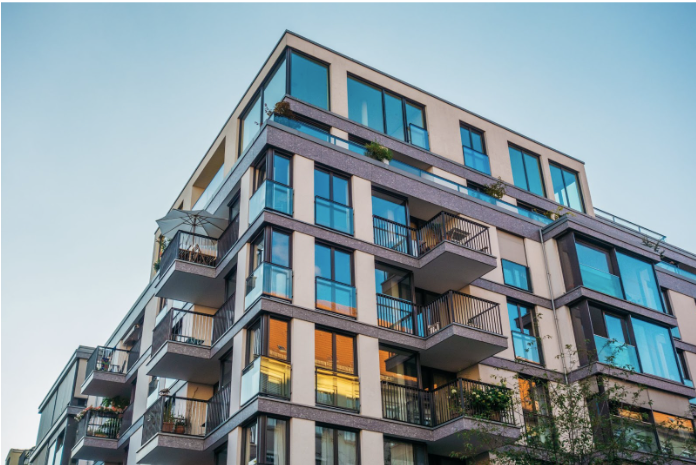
(18, 457)
(352, 305)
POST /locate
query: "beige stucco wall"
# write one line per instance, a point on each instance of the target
(234, 446)
(303, 285)
(684, 308)
(371, 447)
(301, 441)
(537, 268)
(242, 273)
(303, 187)
(365, 287)
(245, 186)
(495, 275)
(303, 365)
(361, 190)
(553, 261)
(370, 386)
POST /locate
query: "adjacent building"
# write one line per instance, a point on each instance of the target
(352, 305)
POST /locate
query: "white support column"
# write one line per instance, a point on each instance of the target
(234, 446)
(239, 344)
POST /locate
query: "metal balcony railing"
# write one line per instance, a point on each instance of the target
(188, 247)
(108, 360)
(183, 326)
(98, 424)
(224, 318)
(443, 227)
(451, 307)
(176, 415)
(453, 400)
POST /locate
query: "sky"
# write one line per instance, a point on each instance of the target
(108, 108)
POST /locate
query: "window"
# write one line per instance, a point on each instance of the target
(276, 252)
(639, 282)
(337, 383)
(391, 222)
(398, 452)
(655, 349)
(267, 357)
(684, 368)
(265, 441)
(270, 264)
(596, 269)
(334, 280)
(394, 298)
(566, 188)
(332, 201)
(474, 150)
(334, 351)
(526, 172)
(335, 446)
(268, 337)
(613, 339)
(386, 112)
(272, 185)
(234, 218)
(535, 407)
(525, 334)
(514, 261)
(308, 80)
(393, 282)
(398, 366)
(221, 455)
(675, 433)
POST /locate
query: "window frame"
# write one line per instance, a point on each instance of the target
(481, 133)
(261, 422)
(526, 177)
(264, 325)
(404, 100)
(565, 187)
(333, 248)
(529, 277)
(267, 233)
(531, 310)
(334, 332)
(333, 173)
(267, 161)
(335, 431)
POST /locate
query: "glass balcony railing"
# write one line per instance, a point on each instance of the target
(630, 225)
(526, 347)
(418, 136)
(209, 191)
(272, 196)
(515, 275)
(265, 376)
(677, 270)
(613, 352)
(336, 297)
(339, 390)
(477, 160)
(601, 281)
(333, 215)
(268, 279)
(319, 134)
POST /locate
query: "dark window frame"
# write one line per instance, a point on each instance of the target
(529, 277)
(336, 430)
(404, 100)
(394, 195)
(541, 171)
(267, 233)
(531, 310)
(266, 160)
(264, 324)
(565, 187)
(333, 333)
(261, 422)
(335, 174)
(481, 133)
(333, 248)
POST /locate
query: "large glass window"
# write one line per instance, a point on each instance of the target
(309, 80)
(526, 172)
(333, 202)
(265, 441)
(334, 280)
(535, 407)
(268, 337)
(657, 355)
(274, 91)
(386, 112)
(389, 207)
(566, 188)
(639, 282)
(251, 123)
(334, 351)
(525, 334)
(335, 446)
(675, 433)
(393, 282)
(398, 366)
(474, 149)
(331, 186)
(596, 270)
(404, 453)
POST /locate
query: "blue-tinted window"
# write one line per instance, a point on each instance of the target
(389, 208)
(474, 152)
(526, 172)
(639, 282)
(280, 249)
(525, 339)
(655, 350)
(322, 261)
(251, 123)
(472, 138)
(414, 115)
(309, 81)
(281, 169)
(333, 264)
(322, 184)
(365, 104)
(515, 275)
(592, 257)
(615, 328)
(275, 89)
(394, 112)
(566, 189)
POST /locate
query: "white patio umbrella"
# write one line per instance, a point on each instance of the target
(195, 221)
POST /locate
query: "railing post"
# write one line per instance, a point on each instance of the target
(450, 305)
(460, 386)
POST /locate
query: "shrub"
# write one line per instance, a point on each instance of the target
(377, 151)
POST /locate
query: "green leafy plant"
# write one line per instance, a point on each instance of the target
(117, 402)
(280, 109)
(162, 242)
(558, 213)
(485, 402)
(496, 189)
(377, 151)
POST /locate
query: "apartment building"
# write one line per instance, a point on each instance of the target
(349, 297)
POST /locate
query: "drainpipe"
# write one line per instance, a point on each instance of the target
(553, 308)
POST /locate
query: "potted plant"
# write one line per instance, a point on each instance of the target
(180, 425)
(168, 418)
(377, 151)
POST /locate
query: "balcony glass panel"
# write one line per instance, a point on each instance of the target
(336, 297)
(265, 376)
(338, 389)
(269, 279)
(333, 215)
(526, 347)
(601, 281)
(613, 352)
(639, 281)
(209, 191)
(515, 275)
(477, 160)
(272, 196)
(418, 136)
(676, 270)
(656, 351)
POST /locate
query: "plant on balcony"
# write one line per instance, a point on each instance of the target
(280, 109)
(118, 402)
(162, 242)
(487, 403)
(99, 409)
(556, 214)
(655, 246)
(496, 189)
(377, 151)
(599, 418)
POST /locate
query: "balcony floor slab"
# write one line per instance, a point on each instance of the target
(186, 362)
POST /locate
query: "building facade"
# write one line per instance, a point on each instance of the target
(350, 299)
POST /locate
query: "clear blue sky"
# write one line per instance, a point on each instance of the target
(108, 108)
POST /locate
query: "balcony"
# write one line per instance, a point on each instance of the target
(476, 160)
(441, 405)
(174, 428)
(224, 318)
(187, 267)
(319, 134)
(268, 279)
(267, 377)
(107, 371)
(270, 196)
(444, 243)
(335, 297)
(339, 390)
(630, 225)
(97, 437)
(333, 215)
(453, 323)
(601, 281)
(181, 344)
